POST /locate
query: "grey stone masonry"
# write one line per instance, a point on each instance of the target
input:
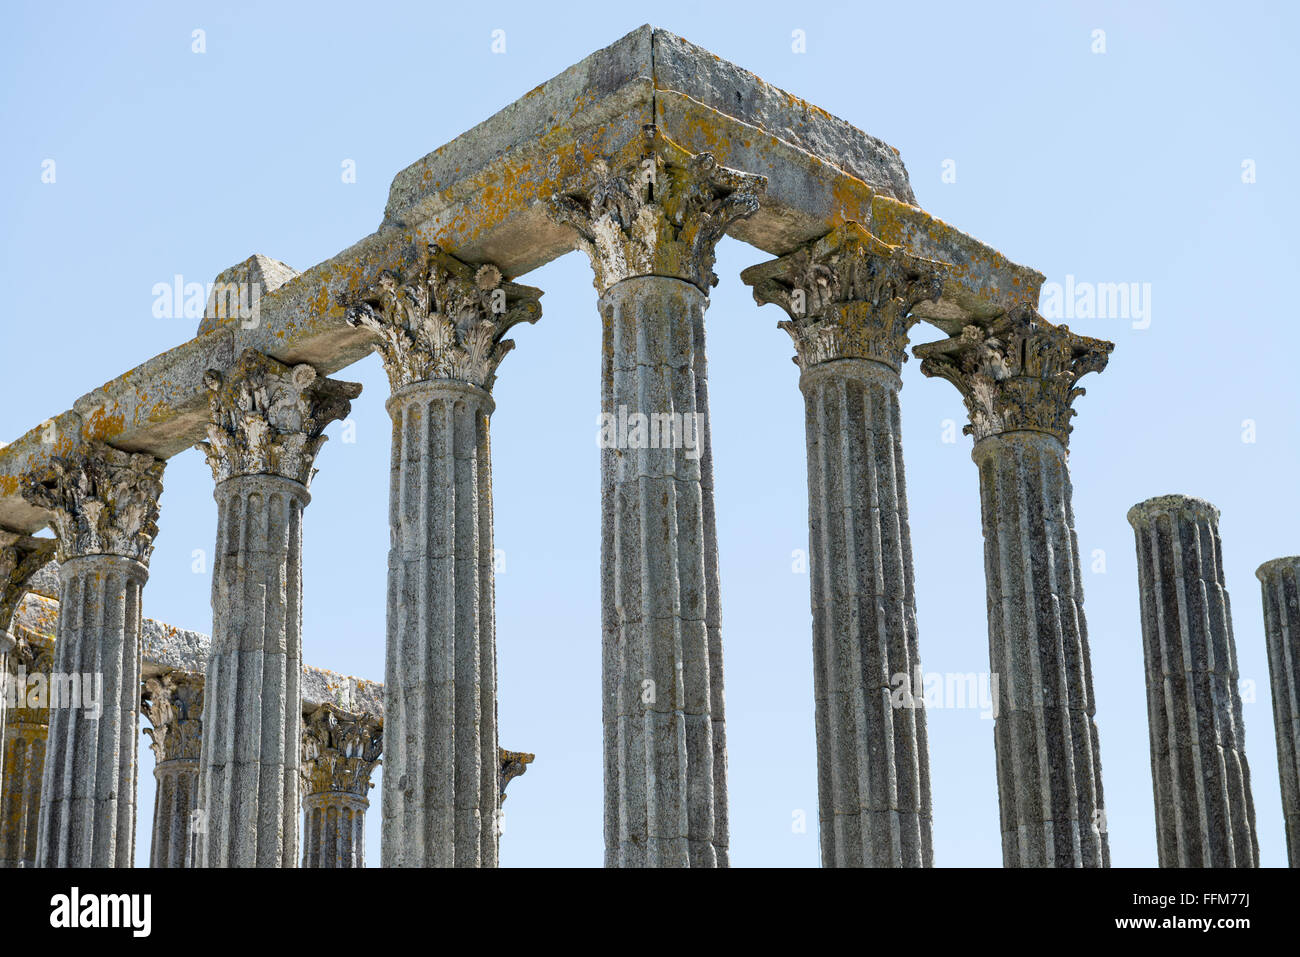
(649, 219)
(104, 507)
(1280, 582)
(1017, 377)
(174, 704)
(1205, 816)
(440, 332)
(25, 735)
(266, 424)
(340, 750)
(850, 299)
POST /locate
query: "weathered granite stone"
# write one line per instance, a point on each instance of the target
(340, 749)
(1205, 815)
(1280, 582)
(267, 423)
(25, 735)
(173, 702)
(236, 292)
(513, 764)
(103, 506)
(850, 299)
(1017, 379)
(440, 331)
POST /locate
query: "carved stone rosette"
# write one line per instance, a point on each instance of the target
(848, 295)
(174, 703)
(339, 751)
(102, 501)
(1018, 374)
(266, 418)
(445, 320)
(655, 209)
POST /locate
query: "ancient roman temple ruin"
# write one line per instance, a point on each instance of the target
(644, 155)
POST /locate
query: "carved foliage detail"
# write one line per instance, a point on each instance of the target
(174, 703)
(268, 418)
(655, 210)
(1020, 373)
(339, 750)
(513, 764)
(21, 556)
(848, 295)
(103, 501)
(445, 320)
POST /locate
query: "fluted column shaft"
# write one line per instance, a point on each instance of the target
(1280, 583)
(665, 759)
(1048, 756)
(176, 801)
(334, 830)
(1205, 816)
(252, 711)
(872, 758)
(440, 734)
(25, 734)
(87, 816)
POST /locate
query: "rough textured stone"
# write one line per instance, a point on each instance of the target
(25, 734)
(1205, 815)
(247, 281)
(1018, 381)
(1280, 583)
(850, 299)
(266, 425)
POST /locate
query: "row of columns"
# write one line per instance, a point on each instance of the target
(649, 219)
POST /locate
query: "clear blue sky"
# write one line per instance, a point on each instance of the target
(1122, 166)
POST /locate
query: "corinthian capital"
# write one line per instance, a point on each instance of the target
(21, 556)
(446, 320)
(174, 703)
(267, 418)
(339, 750)
(102, 501)
(1018, 374)
(655, 210)
(513, 764)
(848, 295)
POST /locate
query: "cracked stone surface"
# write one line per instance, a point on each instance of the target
(1279, 581)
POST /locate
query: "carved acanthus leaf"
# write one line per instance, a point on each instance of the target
(102, 501)
(173, 702)
(340, 749)
(513, 764)
(267, 418)
(655, 209)
(445, 320)
(1018, 374)
(848, 295)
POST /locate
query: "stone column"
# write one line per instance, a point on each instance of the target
(20, 558)
(26, 731)
(850, 299)
(440, 331)
(104, 507)
(1017, 377)
(649, 220)
(265, 427)
(174, 703)
(1205, 816)
(339, 751)
(1280, 582)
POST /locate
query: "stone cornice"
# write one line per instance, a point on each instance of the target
(340, 749)
(443, 319)
(848, 295)
(1019, 374)
(265, 418)
(655, 209)
(21, 557)
(101, 501)
(173, 702)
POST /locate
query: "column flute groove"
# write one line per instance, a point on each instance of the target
(1279, 581)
